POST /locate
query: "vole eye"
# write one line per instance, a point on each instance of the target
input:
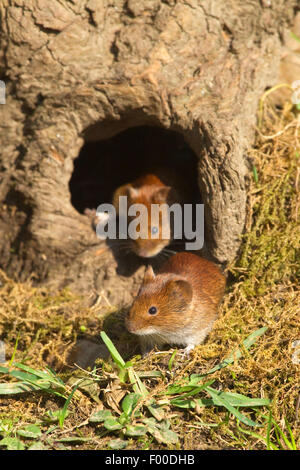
(154, 230)
(152, 310)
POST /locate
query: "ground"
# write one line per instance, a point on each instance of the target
(112, 407)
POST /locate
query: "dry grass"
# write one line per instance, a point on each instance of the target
(263, 290)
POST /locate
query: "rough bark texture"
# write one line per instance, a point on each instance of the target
(79, 71)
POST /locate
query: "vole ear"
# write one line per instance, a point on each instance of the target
(126, 190)
(181, 289)
(161, 194)
(149, 274)
(132, 192)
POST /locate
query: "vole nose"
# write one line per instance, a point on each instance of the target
(147, 248)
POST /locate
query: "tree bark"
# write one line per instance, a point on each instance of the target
(84, 71)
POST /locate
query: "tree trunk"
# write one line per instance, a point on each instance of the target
(77, 73)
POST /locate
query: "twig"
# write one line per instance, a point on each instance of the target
(291, 124)
(297, 408)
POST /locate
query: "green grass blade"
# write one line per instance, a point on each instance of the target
(294, 447)
(15, 350)
(170, 364)
(190, 403)
(269, 431)
(39, 373)
(117, 358)
(277, 434)
(251, 339)
(193, 390)
(283, 436)
(137, 384)
(221, 401)
(256, 436)
(54, 375)
(18, 374)
(30, 380)
(149, 374)
(62, 414)
(247, 343)
(16, 388)
(236, 399)
(294, 36)
(255, 175)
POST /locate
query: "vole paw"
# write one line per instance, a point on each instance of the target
(89, 212)
(185, 353)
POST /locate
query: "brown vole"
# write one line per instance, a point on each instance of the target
(178, 305)
(159, 187)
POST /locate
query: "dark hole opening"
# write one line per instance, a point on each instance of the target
(104, 165)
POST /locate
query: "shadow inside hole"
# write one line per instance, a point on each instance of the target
(89, 348)
(104, 165)
(127, 261)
